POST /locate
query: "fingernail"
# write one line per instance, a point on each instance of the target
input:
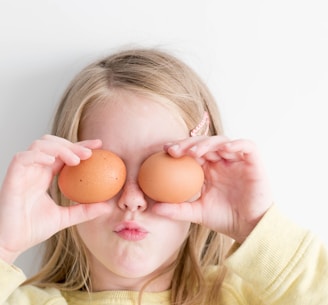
(76, 159)
(87, 151)
(193, 148)
(175, 147)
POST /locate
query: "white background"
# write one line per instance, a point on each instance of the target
(265, 61)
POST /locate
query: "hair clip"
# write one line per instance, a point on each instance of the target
(199, 129)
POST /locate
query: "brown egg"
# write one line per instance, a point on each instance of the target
(96, 179)
(167, 179)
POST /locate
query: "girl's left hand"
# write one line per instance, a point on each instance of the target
(236, 192)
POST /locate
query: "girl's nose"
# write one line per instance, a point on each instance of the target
(132, 198)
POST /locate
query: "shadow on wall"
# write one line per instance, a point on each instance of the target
(30, 260)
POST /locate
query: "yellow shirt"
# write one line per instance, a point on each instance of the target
(279, 263)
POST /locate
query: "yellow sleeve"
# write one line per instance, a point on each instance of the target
(11, 293)
(283, 263)
(10, 278)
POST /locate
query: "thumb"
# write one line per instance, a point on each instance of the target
(79, 213)
(184, 211)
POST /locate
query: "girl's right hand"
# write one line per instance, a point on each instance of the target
(28, 215)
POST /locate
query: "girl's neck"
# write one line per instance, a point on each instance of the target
(151, 283)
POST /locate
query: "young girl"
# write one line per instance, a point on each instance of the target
(229, 245)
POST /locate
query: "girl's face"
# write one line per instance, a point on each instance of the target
(128, 246)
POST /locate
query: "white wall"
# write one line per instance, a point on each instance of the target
(266, 62)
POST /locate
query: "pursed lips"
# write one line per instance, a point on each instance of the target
(130, 231)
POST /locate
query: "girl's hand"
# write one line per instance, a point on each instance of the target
(236, 191)
(28, 215)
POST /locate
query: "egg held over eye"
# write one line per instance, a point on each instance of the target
(167, 179)
(96, 179)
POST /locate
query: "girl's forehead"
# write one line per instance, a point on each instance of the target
(131, 118)
(134, 106)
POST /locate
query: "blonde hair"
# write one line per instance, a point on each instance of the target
(143, 71)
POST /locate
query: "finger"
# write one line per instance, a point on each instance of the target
(212, 156)
(182, 147)
(79, 213)
(180, 211)
(27, 158)
(50, 138)
(245, 149)
(90, 143)
(196, 146)
(79, 148)
(24, 159)
(67, 152)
